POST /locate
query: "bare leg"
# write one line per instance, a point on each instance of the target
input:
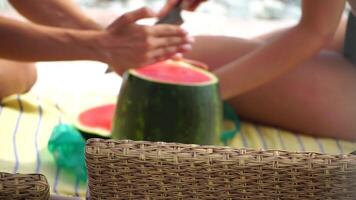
(16, 77)
(217, 51)
(317, 97)
(337, 44)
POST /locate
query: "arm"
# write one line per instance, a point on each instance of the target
(317, 26)
(31, 42)
(60, 13)
(123, 44)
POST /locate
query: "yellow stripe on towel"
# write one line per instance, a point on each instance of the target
(310, 144)
(26, 122)
(264, 137)
(39, 116)
(273, 137)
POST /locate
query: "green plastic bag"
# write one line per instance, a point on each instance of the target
(230, 115)
(68, 148)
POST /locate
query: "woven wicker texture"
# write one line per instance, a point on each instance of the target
(144, 170)
(23, 186)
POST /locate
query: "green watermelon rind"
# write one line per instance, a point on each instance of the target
(155, 111)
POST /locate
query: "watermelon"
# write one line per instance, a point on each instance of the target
(170, 101)
(96, 120)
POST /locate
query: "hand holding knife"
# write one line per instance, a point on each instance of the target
(173, 16)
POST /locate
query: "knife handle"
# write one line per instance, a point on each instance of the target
(173, 16)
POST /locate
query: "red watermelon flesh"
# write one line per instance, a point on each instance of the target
(98, 117)
(175, 73)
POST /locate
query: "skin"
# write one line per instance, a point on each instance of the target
(295, 78)
(55, 13)
(23, 74)
(189, 5)
(60, 31)
(353, 6)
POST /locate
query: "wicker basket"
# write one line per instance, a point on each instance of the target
(21, 186)
(145, 170)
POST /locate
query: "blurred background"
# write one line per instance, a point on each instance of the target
(266, 9)
(243, 18)
(77, 80)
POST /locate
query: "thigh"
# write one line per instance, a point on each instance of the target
(16, 77)
(317, 98)
(216, 51)
(336, 44)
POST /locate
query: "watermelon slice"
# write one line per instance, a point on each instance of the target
(169, 101)
(97, 120)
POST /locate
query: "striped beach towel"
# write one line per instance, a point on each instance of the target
(26, 123)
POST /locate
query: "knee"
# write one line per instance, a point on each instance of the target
(30, 77)
(16, 77)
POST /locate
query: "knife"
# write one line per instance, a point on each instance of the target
(173, 16)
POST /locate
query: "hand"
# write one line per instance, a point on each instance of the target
(128, 45)
(195, 63)
(189, 5)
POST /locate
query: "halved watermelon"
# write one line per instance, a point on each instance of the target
(97, 120)
(170, 101)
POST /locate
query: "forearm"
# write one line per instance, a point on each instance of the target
(29, 42)
(269, 61)
(60, 13)
(281, 54)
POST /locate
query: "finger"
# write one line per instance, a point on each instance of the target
(168, 51)
(163, 30)
(191, 5)
(195, 63)
(177, 56)
(131, 17)
(171, 41)
(119, 70)
(159, 59)
(167, 7)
